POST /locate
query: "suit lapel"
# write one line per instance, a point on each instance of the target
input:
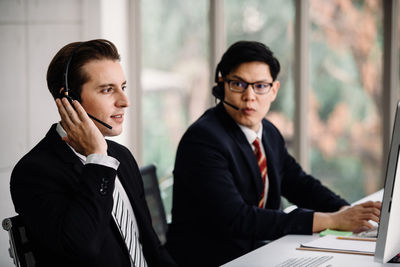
(272, 176)
(240, 139)
(122, 172)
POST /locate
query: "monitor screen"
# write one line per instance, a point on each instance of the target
(388, 240)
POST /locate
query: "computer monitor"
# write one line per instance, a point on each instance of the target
(388, 239)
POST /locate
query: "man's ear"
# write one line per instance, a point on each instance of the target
(275, 88)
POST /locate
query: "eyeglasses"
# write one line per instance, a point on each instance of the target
(259, 88)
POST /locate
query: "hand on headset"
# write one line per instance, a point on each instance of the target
(82, 134)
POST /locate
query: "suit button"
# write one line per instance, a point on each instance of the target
(103, 191)
(103, 186)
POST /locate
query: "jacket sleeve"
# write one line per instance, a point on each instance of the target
(66, 207)
(296, 185)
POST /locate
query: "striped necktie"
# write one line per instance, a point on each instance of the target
(128, 229)
(262, 164)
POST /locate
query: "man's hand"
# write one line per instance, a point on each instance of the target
(82, 133)
(349, 218)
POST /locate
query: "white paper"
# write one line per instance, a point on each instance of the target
(333, 243)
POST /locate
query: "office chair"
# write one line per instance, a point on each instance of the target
(20, 247)
(154, 201)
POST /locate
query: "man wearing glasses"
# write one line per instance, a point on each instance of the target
(232, 168)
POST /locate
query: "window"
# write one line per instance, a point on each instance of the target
(175, 79)
(345, 95)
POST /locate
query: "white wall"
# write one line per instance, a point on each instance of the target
(31, 32)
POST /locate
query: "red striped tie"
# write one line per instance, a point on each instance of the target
(262, 163)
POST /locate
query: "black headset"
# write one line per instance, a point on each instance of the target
(66, 92)
(218, 91)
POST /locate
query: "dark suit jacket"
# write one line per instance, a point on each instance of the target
(67, 207)
(217, 187)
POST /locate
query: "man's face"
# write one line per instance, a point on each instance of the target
(252, 107)
(103, 95)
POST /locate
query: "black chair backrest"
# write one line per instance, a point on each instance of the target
(154, 201)
(20, 247)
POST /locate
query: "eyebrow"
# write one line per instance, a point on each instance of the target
(243, 80)
(110, 85)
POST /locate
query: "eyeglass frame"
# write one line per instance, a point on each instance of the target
(247, 86)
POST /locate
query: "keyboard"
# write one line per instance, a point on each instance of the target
(373, 232)
(305, 261)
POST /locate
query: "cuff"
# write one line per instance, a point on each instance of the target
(102, 160)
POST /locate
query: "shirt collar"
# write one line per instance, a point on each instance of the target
(250, 134)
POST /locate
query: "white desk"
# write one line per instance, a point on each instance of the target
(284, 248)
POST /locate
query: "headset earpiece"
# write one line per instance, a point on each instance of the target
(218, 91)
(67, 94)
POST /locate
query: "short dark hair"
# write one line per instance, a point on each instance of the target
(79, 53)
(247, 51)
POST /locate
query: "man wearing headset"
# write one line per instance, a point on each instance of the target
(81, 196)
(232, 168)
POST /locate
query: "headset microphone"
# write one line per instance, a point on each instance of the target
(216, 91)
(65, 94)
(231, 105)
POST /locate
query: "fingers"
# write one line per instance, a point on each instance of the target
(82, 133)
(371, 210)
(82, 115)
(372, 204)
(363, 228)
(65, 121)
(366, 225)
(376, 213)
(359, 216)
(67, 113)
(369, 217)
(368, 213)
